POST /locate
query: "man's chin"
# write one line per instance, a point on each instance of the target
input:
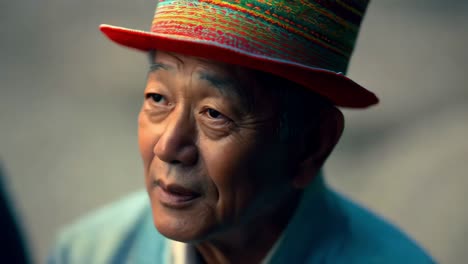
(186, 230)
(185, 236)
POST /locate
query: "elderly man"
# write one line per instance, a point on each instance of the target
(238, 117)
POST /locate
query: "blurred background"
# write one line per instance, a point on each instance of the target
(69, 101)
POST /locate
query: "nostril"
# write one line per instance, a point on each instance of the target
(174, 162)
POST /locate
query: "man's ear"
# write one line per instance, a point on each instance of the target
(319, 143)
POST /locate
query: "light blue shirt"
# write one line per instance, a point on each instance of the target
(326, 228)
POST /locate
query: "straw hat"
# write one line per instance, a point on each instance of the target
(309, 42)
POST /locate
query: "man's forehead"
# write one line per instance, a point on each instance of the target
(227, 78)
(179, 60)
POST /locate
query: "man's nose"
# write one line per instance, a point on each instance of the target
(177, 141)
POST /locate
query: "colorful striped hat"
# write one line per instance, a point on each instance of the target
(309, 42)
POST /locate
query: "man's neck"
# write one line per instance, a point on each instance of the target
(251, 242)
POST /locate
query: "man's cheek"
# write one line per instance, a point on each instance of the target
(225, 167)
(145, 143)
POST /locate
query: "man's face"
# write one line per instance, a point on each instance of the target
(211, 162)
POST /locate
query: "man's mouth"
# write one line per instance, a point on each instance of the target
(175, 196)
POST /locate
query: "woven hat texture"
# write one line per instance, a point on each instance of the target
(308, 42)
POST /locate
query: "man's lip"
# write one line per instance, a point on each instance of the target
(176, 189)
(175, 196)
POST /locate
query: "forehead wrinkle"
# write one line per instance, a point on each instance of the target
(159, 66)
(176, 57)
(152, 55)
(222, 84)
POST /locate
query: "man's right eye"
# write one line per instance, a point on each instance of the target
(157, 98)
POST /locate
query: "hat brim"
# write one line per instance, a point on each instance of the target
(338, 88)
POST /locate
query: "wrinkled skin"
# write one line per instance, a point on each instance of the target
(202, 137)
(197, 132)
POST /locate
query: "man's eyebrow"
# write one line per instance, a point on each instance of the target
(223, 84)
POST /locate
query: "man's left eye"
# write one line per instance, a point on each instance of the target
(215, 116)
(213, 113)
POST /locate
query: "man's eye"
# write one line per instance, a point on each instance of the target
(213, 113)
(157, 98)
